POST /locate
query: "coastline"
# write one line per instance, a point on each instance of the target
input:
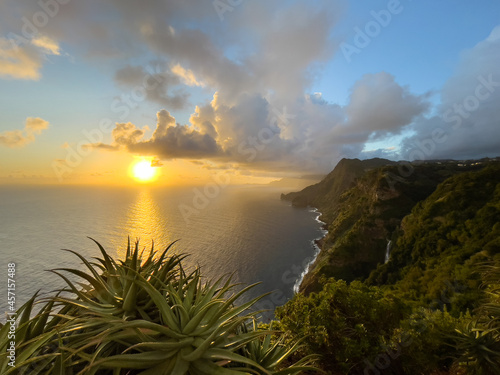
(317, 245)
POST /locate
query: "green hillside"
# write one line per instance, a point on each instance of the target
(445, 237)
(434, 306)
(363, 204)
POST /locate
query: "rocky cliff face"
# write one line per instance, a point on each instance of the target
(363, 203)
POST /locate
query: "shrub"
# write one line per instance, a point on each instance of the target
(345, 324)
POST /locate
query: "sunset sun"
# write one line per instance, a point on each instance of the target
(143, 171)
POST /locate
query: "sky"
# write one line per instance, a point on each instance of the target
(241, 91)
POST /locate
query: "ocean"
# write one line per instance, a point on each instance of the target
(244, 230)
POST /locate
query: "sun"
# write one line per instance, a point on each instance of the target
(143, 171)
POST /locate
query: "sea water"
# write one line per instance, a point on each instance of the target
(246, 231)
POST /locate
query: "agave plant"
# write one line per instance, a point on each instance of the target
(478, 348)
(478, 342)
(145, 317)
(491, 309)
(31, 337)
(110, 288)
(272, 350)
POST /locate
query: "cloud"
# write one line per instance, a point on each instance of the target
(194, 50)
(26, 60)
(292, 41)
(19, 138)
(310, 135)
(124, 135)
(467, 121)
(102, 146)
(14, 138)
(47, 44)
(186, 75)
(156, 85)
(379, 105)
(169, 140)
(274, 47)
(36, 125)
(19, 62)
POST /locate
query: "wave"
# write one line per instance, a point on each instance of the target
(317, 250)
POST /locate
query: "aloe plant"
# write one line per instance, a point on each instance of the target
(491, 309)
(478, 342)
(272, 350)
(478, 348)
(31, 337)
(145, 315)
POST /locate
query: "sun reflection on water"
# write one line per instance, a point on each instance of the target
(145, 222)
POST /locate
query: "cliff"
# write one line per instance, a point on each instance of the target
(445, 239)
(335, 183)
(363, 204)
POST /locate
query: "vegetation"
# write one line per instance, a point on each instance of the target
(363, 204)
(478, 342)
(445, 239)
(344, 323)
(434, 308)
(145, 316)
(360, 329)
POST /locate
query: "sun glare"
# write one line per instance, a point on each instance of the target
(143, 171)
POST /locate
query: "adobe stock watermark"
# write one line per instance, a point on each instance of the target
(372, 29)
(31, 26)
(122, 107)
(458, 112)
(248, 148)
(224, 6)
